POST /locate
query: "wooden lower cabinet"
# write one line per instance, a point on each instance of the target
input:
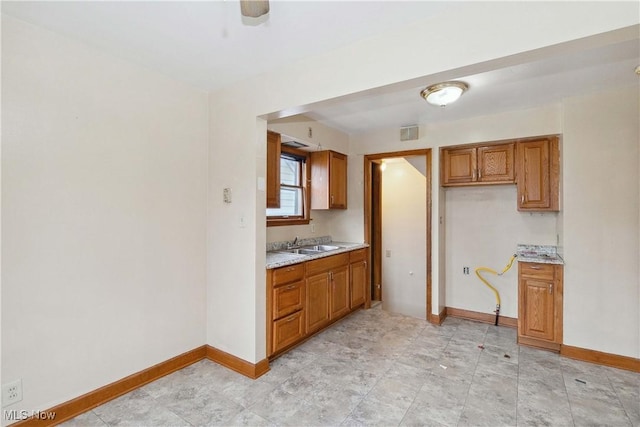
(306, 297)
(317, 302)
(288, 330)
(358, 278)
(339, 292)
(540, 305)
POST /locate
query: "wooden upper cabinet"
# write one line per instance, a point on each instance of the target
(496, 163)
(474, 165)
(459, 166)
(538, 174)
(273, 169)
(328, 180)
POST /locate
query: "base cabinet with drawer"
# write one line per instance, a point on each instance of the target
(540, 305)
(306, 297)
(285, 306)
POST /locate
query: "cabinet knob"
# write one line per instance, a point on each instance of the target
(550, 288)
(332, 199)
(290, 287)
(522, 199)
(479, 173)
(534, 267)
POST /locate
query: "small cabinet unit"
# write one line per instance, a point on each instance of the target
(538, 174)
(540, 305)
(328, 180)
(478, 164)
(273, 170)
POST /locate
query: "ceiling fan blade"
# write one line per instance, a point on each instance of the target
(254, 8)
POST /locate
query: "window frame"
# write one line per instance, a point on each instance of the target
(305, 183)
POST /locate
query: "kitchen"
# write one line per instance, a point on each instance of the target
(221, 245)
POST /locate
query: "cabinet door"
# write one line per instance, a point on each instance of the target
(339, 292)
(273, 170)
(496, 163)
(287, 299)
(537, 308)
(288, 330)
(538, 171)
(358, 283)
(337, 181)
(458, 166)
(317, 307)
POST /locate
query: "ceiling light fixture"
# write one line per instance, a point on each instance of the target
(254, 8)
(442, 94)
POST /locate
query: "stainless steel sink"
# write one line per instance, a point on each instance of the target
(311, 250)
(302, 251)
(322, 248)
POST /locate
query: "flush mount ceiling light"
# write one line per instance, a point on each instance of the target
(254, 8)
(442, 94)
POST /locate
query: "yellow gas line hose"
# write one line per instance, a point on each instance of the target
(495, 291)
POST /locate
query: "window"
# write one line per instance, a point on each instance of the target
(294, 201)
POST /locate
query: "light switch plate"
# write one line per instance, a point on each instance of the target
(226, 195)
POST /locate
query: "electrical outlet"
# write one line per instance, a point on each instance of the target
(388, 253)
(465, 270)
(11, 393)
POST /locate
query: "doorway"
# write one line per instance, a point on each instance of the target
(373, 219)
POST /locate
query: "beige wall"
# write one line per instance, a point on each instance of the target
(103, 217)
(601, 221)
(404, 236)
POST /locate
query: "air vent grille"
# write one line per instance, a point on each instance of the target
(409, 133)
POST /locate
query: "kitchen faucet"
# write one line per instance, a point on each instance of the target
(293, 244)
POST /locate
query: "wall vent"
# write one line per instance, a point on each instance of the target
(408, 133)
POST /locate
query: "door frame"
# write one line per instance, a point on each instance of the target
(369, 160)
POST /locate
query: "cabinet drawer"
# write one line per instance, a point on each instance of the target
(324, 264)
(287, 299)
(290, 273)
(288, 330)
(538, 270)
(358, 255)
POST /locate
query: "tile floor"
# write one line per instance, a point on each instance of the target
(375, 368)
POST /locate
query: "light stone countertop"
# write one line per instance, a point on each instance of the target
(279, 259)
(542, 254)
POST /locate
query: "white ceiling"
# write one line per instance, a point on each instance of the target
(207, 44)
